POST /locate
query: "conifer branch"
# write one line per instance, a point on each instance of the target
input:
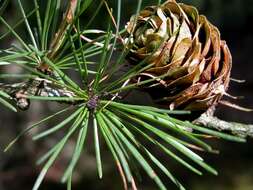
(238, 129)
(35, 87)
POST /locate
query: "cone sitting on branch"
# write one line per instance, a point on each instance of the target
(175, 41)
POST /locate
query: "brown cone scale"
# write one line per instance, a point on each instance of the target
(185, 48)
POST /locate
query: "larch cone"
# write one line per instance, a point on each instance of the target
(186, 50)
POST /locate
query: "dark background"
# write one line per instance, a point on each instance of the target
(234, 163)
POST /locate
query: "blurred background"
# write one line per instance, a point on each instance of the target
(18, 170)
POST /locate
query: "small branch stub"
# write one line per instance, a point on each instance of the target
(93, 102)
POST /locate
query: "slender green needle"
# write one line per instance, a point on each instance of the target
(116, 34)
(106, 125)
(77, 61)
(55, 18)
(54, 98)
(215, 133)
(165, 150)
(55, 68)
(79, 147)
(84, 6)
(163, 120)
(142, 161)
(46, 25)
(125, 51)
(33, 126)
(113, 151)
(38, 17)
(3, 6)
(7, 104)
(150, 108)
(15, 34)
(58, 126)
(103, 61)
(5, 95)
(97, 147)
(84, 62)
(19, 23)
(164, 169)
(69, 182)
(55, 154)
(135, 85)
(27, 24)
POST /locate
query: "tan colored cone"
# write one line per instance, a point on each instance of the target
(178, 42)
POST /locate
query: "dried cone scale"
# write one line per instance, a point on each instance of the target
(185, 48)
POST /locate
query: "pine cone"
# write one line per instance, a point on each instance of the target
(184, 47)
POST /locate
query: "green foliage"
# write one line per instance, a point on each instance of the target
(65, 47)
(4, 96)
